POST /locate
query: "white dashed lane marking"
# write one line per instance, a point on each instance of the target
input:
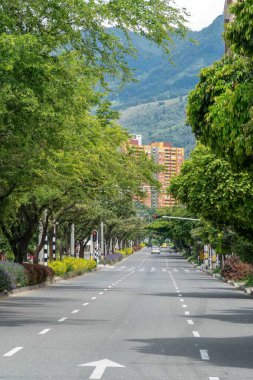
(190, 322)
(196, 334)
(75, 311)
(13, 351)
(62, 319)
(86, 304)
(204, 355)
(44, 331)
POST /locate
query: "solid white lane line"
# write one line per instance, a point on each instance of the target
(62, 319)
(204, 355)
(187, 313)
(190, 322)
(13, 352)
(86, 303)
(93, 298)
(184, 305)
(75, 311)
(196, 334)
(43, 331)
(101, 293)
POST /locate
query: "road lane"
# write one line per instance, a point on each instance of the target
(139, 322)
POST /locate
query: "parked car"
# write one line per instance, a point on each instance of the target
(155, 250)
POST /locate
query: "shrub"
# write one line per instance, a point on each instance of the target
(7, 280)
(142, 245)
(92, 264)
(17, 271)
(72, 264)
(69, 262)
(125, 251)
(234, 269)
(249, 280)
(59, 267)
(37, 273)
(113, 258)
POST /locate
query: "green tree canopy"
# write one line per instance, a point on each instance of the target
(211, 189)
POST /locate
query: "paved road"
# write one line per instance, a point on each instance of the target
(155, 315)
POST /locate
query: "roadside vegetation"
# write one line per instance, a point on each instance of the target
(215, 184)
(64, 158)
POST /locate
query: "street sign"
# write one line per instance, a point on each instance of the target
(101, 366)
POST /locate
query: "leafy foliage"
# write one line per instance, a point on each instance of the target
(234, 269)
(17, 271)
(239, 32)
(37, 274)
(7, 281)
(210, 188)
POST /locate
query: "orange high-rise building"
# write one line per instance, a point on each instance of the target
(171, 158)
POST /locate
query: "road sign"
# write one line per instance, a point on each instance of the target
(101, 366)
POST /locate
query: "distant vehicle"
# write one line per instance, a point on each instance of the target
(155, 250)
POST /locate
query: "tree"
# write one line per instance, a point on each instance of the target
(178, 231)
(212, 190)
(239, 32)
(220, 110)
(59, 143)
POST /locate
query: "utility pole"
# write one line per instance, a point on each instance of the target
(102, 239)
(72, 240)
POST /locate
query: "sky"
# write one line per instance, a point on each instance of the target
(203, 12)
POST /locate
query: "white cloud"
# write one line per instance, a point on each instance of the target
(203, 12)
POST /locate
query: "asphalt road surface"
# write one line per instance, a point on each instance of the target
(151, 317)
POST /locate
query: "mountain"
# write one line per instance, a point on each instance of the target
(155, 105)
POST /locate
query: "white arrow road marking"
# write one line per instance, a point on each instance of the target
(14, 351)
(101, 366)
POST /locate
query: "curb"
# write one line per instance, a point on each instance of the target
(25, 289)
(237, 285)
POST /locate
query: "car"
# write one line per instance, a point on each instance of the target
(155, 250)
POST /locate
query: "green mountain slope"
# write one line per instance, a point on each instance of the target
(155, 105)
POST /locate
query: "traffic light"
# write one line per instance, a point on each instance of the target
(94, 236)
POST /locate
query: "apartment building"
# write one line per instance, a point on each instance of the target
(228, 18)
(171, 158)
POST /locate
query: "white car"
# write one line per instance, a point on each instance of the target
(155, 250)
